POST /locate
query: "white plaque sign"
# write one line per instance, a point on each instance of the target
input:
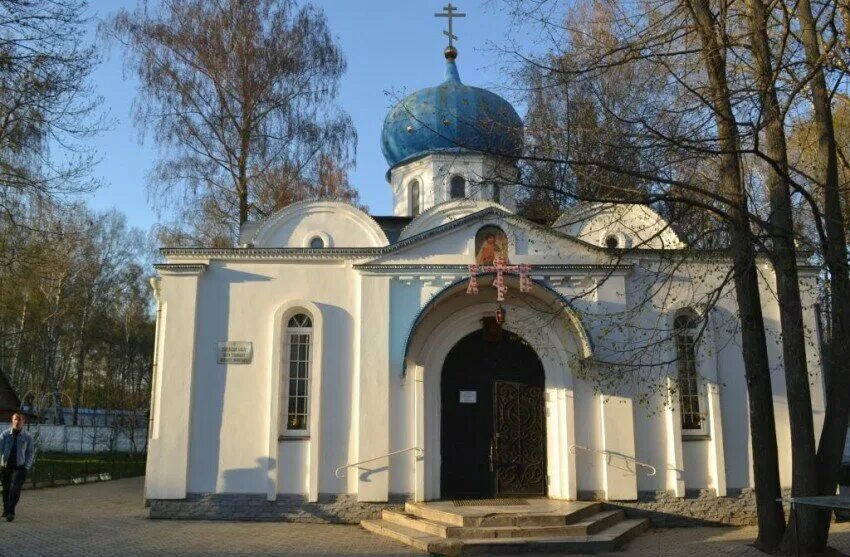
(235, 352)
(468, 397)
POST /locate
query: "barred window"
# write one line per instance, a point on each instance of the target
(457, 187)
(689, 391)
(299, 332)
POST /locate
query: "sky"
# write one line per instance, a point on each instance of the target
(393, 47)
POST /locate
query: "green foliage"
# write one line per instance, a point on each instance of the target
(76, 323)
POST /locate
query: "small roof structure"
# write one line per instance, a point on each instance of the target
(9, 401)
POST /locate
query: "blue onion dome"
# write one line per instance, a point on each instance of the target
(451, 117)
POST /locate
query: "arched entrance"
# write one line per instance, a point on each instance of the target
(493, 422)
(558, 339)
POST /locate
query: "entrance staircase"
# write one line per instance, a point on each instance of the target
(517, 526)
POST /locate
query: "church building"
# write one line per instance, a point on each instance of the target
(336, 362)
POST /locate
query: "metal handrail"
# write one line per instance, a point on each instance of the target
(608, 454)
(419, 453)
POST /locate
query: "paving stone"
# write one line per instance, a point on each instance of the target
(108, 519)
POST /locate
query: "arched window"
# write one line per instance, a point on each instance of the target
(317, 242)
(299, 336)
(457, 187)
(414, 198)
(689, 382)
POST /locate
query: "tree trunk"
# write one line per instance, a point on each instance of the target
(784, 258)
(16, 359)
(80, 362)
(771, 519)
(834, 431)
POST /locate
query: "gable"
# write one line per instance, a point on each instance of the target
(631, 225)
(337, 224)
(454, 243)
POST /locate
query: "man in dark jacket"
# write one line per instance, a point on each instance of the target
(17, 452)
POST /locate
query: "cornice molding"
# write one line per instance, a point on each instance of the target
(271, 253)
(180, 268)
(547, 269)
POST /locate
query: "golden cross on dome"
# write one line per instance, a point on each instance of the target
(450, 12)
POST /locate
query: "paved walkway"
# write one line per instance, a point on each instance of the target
(105, 519)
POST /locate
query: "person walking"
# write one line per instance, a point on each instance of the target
(17, 452)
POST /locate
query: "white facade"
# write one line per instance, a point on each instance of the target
(486, 178)
(378, 346)
(310, 360)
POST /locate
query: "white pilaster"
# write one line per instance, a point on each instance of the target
(675, 468)
(617, 407)
(716, 456)
(562, 460)
(168, 449)
(419, 436)
(374, 410)
(618, 440)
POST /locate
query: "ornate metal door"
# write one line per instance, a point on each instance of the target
(492, 434)
(518, 451)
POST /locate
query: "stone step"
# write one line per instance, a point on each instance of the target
(433, 528)
(608, 539)
(541, 512)
(591, 525)
(408, 536)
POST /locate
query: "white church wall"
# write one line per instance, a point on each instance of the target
(168, 449)
(695, 455)
(773, 329)
(374, 390)
(809, 297)
(435, 171)
(650, 443)
(293, 473)
(229, 444)
(406, 302)
(773, 332)
(337, 224)
(617, 403)
(588, 434)
(368, 410)
(635, 226)
(457, 245)
(734, 403)
(657, 435)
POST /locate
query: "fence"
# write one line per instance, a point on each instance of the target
(86, 439)
(55, 469)
(80, 454)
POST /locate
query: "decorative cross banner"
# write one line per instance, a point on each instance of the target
(500, 268)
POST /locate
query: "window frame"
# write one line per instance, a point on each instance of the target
(414, 201)
(699, 394)
(452, 180)
(288, 333)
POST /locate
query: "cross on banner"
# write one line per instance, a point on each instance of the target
(500, 268)
(450, 12)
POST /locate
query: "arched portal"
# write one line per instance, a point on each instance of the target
(493, 430)
(541, 318)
